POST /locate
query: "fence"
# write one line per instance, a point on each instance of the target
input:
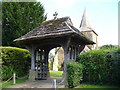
(14, 79)
(54, 82)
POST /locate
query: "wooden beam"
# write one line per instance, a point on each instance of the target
(81, 48)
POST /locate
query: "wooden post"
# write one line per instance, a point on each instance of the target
(81, 48)
(33, 59)
(32, 72)
(46, 59)
(75, 53)
(66, 59)
(71, 52)
(14, 79)
(54, 82)
(31, 48)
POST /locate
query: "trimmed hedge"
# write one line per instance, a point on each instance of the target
(101, 66)
(14, 60)
(74, 74)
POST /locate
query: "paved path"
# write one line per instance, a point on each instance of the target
(39, 83)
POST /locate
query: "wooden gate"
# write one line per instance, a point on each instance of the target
(41, 65)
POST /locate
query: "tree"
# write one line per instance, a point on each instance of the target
(108, 47)
(0, 23)
(18, 18)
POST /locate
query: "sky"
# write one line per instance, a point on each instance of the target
(102, 16)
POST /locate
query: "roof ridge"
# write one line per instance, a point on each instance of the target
(56, 19)
(69, 26)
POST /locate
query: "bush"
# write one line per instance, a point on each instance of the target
(113, 61)
(74, 74)
(14, 60)
(7, 72)
(110, 47)
(101, 66)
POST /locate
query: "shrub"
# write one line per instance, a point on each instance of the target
(15, 60)
(113, 61)
(110, 47)
(92, 62)
(101, 66)
(74, 74)
(7, 72)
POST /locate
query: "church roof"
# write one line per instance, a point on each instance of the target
(90, 31)
(53, 28)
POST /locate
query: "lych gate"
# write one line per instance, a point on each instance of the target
(51, 34)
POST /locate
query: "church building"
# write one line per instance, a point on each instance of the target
(85, 29)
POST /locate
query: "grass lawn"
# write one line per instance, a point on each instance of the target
(56, 73)
(10, 83)
(94, 86)
(90, 87)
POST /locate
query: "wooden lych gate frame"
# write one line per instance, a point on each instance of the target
(49, 35)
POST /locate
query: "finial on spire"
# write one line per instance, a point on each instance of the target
(55, 15)
(85, 11)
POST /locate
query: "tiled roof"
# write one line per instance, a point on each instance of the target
(60, 26)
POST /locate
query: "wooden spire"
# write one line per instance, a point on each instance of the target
(84, 22)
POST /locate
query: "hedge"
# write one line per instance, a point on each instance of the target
(74, 74)
(14, 60)
(101, 66)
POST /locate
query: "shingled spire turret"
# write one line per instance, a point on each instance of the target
(85, 23)
(86, 29)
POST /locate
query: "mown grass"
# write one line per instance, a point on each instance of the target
(56, 73)
(10, 83)
(94, 86)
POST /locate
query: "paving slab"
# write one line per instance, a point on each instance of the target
(39, 83)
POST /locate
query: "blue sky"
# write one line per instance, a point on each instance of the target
(102, 15)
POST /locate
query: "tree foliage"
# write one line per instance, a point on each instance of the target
(18, 18)
(109, 47)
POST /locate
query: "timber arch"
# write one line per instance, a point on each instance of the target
(52, 34)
